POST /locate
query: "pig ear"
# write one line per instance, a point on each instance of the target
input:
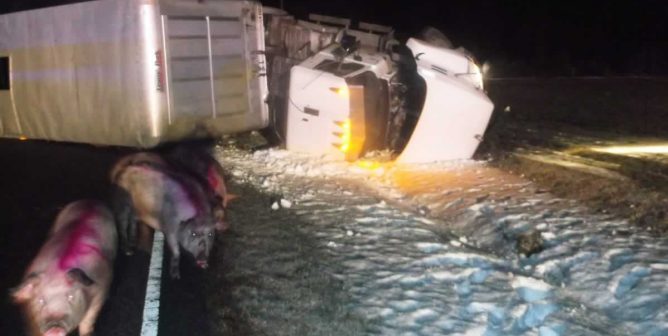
(187, 222)
(229, 197)
(26, 289)
(76, 274)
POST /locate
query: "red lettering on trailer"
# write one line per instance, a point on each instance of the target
(160, 71)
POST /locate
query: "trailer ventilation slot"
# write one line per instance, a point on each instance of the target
(4, 73)
(311, 111)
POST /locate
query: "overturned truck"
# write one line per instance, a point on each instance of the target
(140, 73)
(360, 90)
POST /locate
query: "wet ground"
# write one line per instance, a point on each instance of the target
(328, 248)
(324, 248)
(273, 277)
(623, 174)
(438, 255)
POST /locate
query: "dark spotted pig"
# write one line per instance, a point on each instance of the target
(201, 164)
(165, 199)
(67, 283)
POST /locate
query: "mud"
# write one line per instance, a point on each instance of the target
(267, 276)
(559, 159)
(400, 272)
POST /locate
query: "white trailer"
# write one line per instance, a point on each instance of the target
(132, 72)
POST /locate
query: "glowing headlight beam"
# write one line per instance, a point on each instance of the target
(369, 165)
(633, 149)
(342, 91)
(474, 70)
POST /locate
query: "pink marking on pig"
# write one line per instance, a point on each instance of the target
(77, 247)
(212, 176)
(191, 196)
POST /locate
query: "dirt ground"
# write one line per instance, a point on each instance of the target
(546, 135)
(38, 178)
(642, 206)
(246, 296)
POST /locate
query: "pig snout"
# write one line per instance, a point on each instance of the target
(202, 260)
(202, 256)
(55, 331)
(55, 328)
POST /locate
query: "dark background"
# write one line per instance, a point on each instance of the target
(519, 37)
(515, 37)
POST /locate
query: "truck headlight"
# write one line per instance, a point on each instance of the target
(346, 136)
(476, 75)
(351, 132)
(342, 91)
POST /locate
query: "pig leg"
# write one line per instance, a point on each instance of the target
(88, 322)
(170, 228)
(125, 218)
(173, 244)
(132, 232)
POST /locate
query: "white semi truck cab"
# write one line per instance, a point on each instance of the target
(423, 102)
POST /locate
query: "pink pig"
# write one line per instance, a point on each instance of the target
(67, 283)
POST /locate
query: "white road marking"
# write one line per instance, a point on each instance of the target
(149, 326)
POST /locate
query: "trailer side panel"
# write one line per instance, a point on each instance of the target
(78, 74)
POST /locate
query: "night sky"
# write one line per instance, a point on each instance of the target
(516, 37)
